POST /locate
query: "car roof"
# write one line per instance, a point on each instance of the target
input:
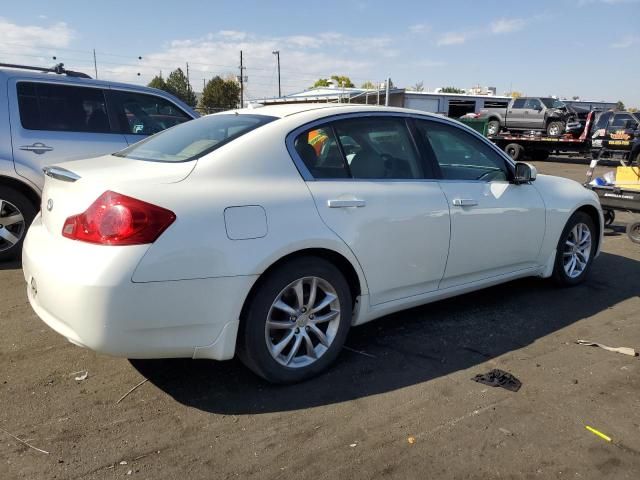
(322, 110)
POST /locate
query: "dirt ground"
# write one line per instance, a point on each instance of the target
(407, 375)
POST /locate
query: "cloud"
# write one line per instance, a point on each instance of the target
(582, 3)
(626, 42)
(507, 25)
(419, 28)
(233, 34)
(451, 38)
(29, 37)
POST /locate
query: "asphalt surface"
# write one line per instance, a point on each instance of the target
(399, 403)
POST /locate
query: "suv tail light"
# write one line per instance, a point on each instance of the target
(115, 219)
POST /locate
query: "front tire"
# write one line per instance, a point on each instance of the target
(575, 251)
(633, 232)
(296, 322)
(16, 214)
(555, 129)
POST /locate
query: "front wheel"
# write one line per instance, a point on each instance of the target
(575, 251)
(296, 322)
(633, 232)
(555, 129)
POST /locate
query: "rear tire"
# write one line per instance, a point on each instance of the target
(515, 151)
(493, 127)
(575, 250)
(275, 313)
(633, 232)
(555, 129)
(16, 214)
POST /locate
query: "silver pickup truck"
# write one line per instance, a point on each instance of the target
(528, 113)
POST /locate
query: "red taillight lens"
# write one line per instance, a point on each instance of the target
(115, 219)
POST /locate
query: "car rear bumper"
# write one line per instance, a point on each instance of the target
(85, 293)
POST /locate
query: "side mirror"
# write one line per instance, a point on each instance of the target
(525, 173)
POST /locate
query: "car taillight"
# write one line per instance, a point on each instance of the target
(115, 219)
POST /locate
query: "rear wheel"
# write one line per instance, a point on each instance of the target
(493, 127)
(297, 321)
(633, 232)
(555, 129)
(514, 150)
(575, 251)
(16, 214)
(609, 217)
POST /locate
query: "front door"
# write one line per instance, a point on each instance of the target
(497, 227)
(53, 122)
(368, 183)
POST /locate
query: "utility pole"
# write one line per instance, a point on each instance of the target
(277, 54)
(95, 64)
(378, 92)
(188, 83)
(241, 82)
(386, 100)
(203, 84)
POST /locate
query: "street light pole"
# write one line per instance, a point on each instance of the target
(277, 54)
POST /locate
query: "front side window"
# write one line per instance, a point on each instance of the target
(141, 114)
(65, 108)
(553, 103)
(533, 104)
(192, 140)
(460, 155)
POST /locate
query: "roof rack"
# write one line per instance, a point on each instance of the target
(58, 69)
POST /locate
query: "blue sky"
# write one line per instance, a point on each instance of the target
(588, 48)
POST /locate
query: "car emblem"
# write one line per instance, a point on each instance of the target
(49, 205)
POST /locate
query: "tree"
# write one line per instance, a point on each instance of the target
(220, 94)
(418, 87)
(338, 80)
(451, 90)
(369, 85)
(632, 109)
(158, 82)
(514, 94)
(619, 106)
(178, 85)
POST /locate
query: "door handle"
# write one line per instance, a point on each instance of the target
(346, 203)
(464, 202)
(37, 148)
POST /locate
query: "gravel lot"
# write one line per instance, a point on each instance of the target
(205, 420)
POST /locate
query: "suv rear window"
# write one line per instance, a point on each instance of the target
(46, 106)
(194, 139)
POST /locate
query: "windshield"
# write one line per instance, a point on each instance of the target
(552, 103)
(192, 140)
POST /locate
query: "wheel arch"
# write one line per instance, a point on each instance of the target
(343, 264)
(597, 221)
(23, 188)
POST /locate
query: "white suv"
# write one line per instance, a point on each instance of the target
(54, 115)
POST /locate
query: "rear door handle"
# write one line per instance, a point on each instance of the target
(346, 203)
(464, 202)
(38, 148)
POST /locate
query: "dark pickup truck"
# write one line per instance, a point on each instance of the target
(529, 113)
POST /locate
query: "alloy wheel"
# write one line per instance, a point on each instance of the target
(302, 322)
(577, 250)
(12, 225)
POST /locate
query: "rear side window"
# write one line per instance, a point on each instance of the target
(518, 103)
(319, 150)
(194, 139)
(65, 108)
(140, 114)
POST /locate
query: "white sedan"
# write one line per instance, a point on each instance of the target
(268, 232)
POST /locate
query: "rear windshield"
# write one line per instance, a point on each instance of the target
(191, 140)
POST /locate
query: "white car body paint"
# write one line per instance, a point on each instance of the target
(245, 206)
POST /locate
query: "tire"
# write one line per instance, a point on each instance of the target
(633, 232)
(16, 214)
(555, 129)
(562, 273)
(259, 345)
(609, 217)
(493, 127)
(514, 150)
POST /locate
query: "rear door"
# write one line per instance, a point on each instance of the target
(371, 188)
(139, 115)
(533, 116)
(515, 114)
(52, 122)
(497, 227)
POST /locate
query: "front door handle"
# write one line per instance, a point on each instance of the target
(464, 202)
(346, 203)
(37, 148)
